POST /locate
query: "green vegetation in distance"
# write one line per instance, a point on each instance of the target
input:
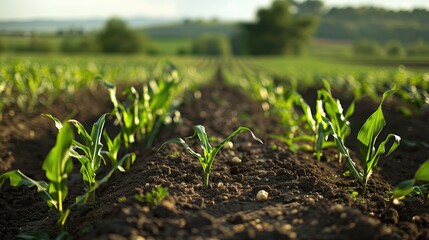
(209, 153)
(278, 31)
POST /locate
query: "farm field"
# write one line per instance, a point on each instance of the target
(311, 195)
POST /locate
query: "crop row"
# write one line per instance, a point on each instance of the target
(141, 111)
(328, 124)
(357, 81)
(28, 85)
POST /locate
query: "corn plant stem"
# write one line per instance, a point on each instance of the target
(92, 194)
(60, 202)
(206, 179)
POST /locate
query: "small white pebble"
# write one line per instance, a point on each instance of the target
(229, 145)
(262, 195)
(396, 201)
(236, 160)
(416, 218)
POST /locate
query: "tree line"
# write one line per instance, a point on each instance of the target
(285, 27)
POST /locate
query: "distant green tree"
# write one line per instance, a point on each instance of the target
(394, 49)
(79, 44)
(116, 37)
(366, 47)
(375, 23)
(89, 43)
(279, 30)
(215, 45)
(70, 44)
(309, 7)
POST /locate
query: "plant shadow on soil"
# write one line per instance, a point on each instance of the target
(307, 199)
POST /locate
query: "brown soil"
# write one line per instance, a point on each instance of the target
(307, 199)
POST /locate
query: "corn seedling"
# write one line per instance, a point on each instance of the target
(57, 166)
(153, 197)
(334, 111)
(209, 153)
(141, 120)
(113, 146)
(89, 152)
(411, 186)
(367, 136)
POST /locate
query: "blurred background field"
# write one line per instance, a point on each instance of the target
(282, 35)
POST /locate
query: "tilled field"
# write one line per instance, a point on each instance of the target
(307, 199)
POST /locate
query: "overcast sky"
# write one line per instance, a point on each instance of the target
(222, 9)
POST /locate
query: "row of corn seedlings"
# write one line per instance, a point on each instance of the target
(358, 81)
(58, 164)
(328, 125)
(28, 84)
(140, 117)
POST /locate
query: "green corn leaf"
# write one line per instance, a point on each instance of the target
(321, 133)
(58, 165)
(382, 149)
(422, 173)
(403, 189)
(229, 138)
(371, 129)
(311, 122)
(345, 151)
(17, 178)
(202, 136)
(350, 110)
(34, 235)
(57, 122)
(82, 199)
(113, 146)
(184, 144)
(81, 131)
(96, 134)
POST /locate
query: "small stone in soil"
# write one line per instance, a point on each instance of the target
(235, 161)
(262, 195)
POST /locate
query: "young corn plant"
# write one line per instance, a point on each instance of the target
(284, 107)
(315, 125)
(208, 156)
(89, 152)
(57, 166)
(411, 186)
(147, 110)
(333, 110)
(367, 137)
(153, 197)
